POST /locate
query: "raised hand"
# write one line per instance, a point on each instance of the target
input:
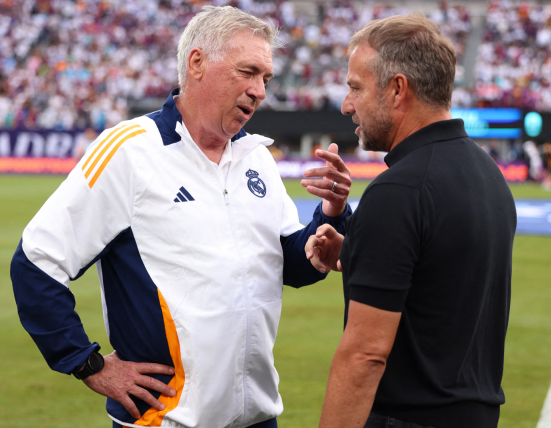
(120, 379)
(323, 249)
(334, 187)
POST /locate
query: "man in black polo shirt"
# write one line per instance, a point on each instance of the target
(426, 260)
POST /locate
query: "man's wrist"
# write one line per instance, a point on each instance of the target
(346, 211)
(94, 364)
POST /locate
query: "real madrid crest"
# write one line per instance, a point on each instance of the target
(255, 184)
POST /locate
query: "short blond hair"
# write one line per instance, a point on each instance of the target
(212, 29)
(414, 46)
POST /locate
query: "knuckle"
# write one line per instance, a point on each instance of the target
(140, 393)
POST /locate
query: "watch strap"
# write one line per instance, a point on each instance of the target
(94, 364)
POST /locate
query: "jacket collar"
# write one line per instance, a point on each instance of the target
(437, 131)
(171, 116)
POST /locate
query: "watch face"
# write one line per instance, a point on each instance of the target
(96, 362)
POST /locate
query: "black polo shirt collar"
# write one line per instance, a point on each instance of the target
(437, 131)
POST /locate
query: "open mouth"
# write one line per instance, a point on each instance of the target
(246, 110)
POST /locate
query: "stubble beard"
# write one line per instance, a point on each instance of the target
(375, 138)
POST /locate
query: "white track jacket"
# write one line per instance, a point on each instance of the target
(191, 271)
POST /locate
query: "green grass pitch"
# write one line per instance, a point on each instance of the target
(311, 325)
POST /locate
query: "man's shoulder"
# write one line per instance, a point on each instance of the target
(410, 171)
(121, 144)
(140, 134)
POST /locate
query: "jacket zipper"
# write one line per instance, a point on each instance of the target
(247, 306)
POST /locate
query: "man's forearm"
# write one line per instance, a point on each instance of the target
(47, 311)
(358, 365)
(353, 382)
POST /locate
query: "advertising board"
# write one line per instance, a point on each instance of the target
(51, 152)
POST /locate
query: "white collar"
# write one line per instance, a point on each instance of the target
(237, 150)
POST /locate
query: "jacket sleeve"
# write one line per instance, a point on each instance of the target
(297, 269)
(70, 233)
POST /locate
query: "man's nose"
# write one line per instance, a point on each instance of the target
(347, 107)
(257, 90)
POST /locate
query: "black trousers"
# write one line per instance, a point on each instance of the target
(380, 421)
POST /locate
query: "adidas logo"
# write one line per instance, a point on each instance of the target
(182, 195)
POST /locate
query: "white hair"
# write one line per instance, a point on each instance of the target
(212, 29)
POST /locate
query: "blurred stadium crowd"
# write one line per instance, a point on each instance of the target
(514, 60)
(73, 64)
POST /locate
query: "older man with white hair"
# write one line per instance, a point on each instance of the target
(193, 236)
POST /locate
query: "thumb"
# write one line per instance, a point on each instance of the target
(339, 265)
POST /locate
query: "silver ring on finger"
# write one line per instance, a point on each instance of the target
(334, 186)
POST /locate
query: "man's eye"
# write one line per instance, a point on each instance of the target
(266, 83)
(248, 73)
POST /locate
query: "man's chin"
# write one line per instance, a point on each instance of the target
(234, 127)
(371, 145)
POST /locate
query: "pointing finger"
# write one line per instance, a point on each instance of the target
(332, 159)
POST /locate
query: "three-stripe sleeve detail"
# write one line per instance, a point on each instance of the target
(109, 147)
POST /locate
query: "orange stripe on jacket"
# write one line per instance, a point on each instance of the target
(101, 144)
(109, 144)
(110, 155)
(154, 417)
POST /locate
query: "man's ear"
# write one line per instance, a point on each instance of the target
(399, 86)
(196, 63)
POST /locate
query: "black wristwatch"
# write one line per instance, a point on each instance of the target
(94, 363)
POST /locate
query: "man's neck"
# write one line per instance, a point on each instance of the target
(211, 145)
(413, 122)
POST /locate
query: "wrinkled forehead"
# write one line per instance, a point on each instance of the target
(251, 49)
(360, 60)
(363, 54)
(244, 39)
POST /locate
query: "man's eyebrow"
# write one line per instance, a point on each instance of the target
(258, 71)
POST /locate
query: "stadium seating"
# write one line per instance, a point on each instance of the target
(513, 67)
(67, 64)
